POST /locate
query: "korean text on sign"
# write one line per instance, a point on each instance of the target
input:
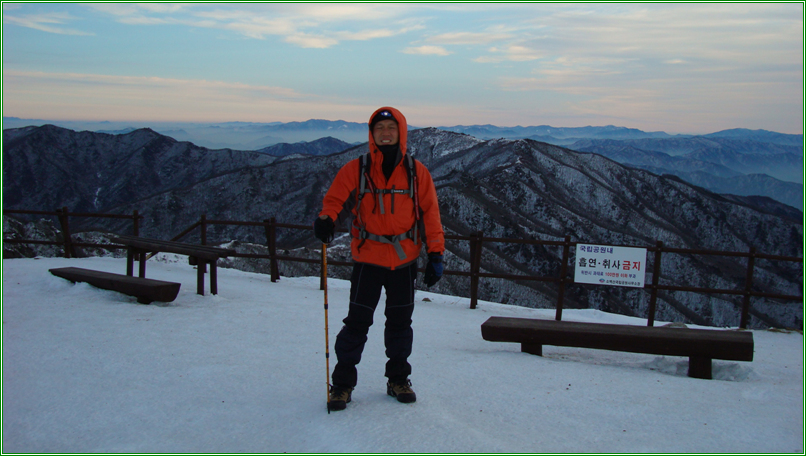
(610, 265)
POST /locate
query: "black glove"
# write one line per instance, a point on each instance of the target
(324, 229)
(433, 270)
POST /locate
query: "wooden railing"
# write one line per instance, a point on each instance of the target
(476, 242)
(63, 216)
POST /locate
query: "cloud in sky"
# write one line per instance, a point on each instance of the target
(426, 50)
(645, 65)
(149, 83)
(47, 22)
(469, 38)
(304, 25)
(145, 98)
(514, 53)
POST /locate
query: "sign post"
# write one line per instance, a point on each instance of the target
(610, 265)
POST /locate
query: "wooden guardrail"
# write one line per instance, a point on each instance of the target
(476, 243)
(63, 216)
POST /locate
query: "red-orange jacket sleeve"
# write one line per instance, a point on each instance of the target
(340, 191)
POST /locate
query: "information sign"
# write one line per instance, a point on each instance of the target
(609, 265)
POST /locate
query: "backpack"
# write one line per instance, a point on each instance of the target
(365, 185)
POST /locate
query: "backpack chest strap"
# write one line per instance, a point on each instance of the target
(386, 191)
(392, 240)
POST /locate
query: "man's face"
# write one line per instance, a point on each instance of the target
(385, 133)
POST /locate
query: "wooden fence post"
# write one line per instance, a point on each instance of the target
(650, 321)
(748, 285)
(202, 265)
(476, 240)
(65, 222)
(271, 243)
(563, 272)
(136, 224)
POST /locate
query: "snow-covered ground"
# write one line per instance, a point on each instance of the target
(91, 371)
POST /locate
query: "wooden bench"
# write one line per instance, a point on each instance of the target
(145, 290)
(199, 255)
(700, 345)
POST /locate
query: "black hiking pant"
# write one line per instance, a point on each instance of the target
(366, 284)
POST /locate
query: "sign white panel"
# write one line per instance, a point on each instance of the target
(609, 265)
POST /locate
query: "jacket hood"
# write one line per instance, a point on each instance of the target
(401, 125)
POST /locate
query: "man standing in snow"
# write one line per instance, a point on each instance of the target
(392, 201)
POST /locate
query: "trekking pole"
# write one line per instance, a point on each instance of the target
(327, 337)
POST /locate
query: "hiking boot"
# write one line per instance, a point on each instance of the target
(401, 389)
(339, 397)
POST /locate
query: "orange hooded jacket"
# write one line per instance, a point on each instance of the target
(341, 201)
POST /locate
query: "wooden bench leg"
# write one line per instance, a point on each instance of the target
(213, 277)
(699, 367)
(532, 349)
(130, 262)
(200, 277)
(143, 259)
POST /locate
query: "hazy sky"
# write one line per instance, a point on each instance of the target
(675, 67)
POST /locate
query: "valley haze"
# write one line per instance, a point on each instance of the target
(257, 135)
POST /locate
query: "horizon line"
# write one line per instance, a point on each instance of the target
(364, 123)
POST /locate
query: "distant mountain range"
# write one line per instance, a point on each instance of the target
(256, 135)
(507, 188)
(734, 166)
(224, 135)
(321, 146)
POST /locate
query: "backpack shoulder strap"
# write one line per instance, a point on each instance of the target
(411, 170)
(364, 165)
(414, 190)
